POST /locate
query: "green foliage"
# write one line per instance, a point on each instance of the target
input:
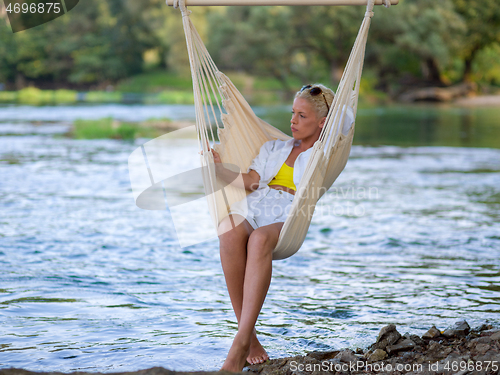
(487, 67)
(141, 45)
(483, 29)
(65, 96)
(8, 96)
(34, 96)
(98, 41)
(252, 39)
(175, 97)
(103, 97)
(126, 131)
(155, 81)
(419, 38)
(93, 129)
(113, 129)
(367, 92)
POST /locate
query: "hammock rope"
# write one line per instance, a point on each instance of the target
(243, 133)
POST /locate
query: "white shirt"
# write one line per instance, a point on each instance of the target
(271, 157)
(274, 153)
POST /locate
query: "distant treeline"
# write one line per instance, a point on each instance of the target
(417, 42)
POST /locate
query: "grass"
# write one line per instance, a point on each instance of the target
(154, 82)
(171, 88)
(162, 87)
(103, 97)
(94, 129)
(109, 128)
(8, 96)
(34, 96)
(174, 97)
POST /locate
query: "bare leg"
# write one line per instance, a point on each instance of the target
(233, 251)
(257, 278)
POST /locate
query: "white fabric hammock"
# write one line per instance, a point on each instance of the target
(242, 133)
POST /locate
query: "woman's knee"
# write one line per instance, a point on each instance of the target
(262, 241)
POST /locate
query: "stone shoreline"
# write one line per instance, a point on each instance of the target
(458, 350)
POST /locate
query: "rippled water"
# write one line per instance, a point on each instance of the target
(88, 281)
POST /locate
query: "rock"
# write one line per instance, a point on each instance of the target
(435, 346)
(346, 356)
(377, 355)
(417, 340)
(482, 348)
(485, 338)
(321, 356)
(404, 345)
(453, 364)
(459, 329)
(483, 327)
(431, 333)
(491, 356)
(480, 340)
(388, 335)
(495, 336)
(436, 351)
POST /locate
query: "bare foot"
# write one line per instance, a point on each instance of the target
(235, 360)
(257, 353)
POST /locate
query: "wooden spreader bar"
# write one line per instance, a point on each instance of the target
(278, 2)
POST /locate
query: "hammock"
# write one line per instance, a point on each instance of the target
(241, 133)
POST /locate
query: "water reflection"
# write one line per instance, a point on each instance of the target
(418, 125)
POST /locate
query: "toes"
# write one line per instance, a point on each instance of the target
(258, 359)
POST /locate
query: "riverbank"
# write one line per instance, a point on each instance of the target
(479, 101)
(455, 350)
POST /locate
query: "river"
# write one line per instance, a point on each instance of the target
(409, 234)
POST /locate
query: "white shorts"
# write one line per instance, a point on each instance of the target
(265, 206)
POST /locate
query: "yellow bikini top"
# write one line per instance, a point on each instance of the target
(284, 177)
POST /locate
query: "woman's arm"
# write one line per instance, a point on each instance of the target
(250, 179)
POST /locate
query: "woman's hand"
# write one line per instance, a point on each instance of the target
(250, 180)
(214, 153)
(216, 156)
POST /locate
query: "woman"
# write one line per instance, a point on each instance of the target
(246, 248)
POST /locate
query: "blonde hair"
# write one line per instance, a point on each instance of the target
(317, 101)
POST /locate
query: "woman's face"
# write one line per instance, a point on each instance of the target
(305, 124)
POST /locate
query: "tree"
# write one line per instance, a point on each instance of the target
(430, 32)
(96, 42)
(326, 34)
(482, 18)
(304, 42)
(254, 39)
